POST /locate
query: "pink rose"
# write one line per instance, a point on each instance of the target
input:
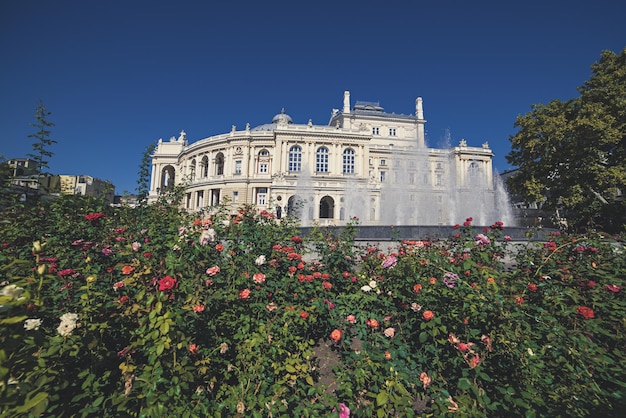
(212, 271)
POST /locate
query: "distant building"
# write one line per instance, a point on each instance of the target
(366, 163)
(87, 186)
(25, 181)
(130, 200)
(23, 167)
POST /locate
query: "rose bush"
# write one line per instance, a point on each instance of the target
(153, 311)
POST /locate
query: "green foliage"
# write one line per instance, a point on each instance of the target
(572, 155)
(156, 312)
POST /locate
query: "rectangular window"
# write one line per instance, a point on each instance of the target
(321, 160)
(235, 197)
(392, 131)
(295, 158)
(375, 130)
(238, 167)
(382, 176)
(348, 162)
(263, 168)
(411, 178)
(261, 196)
(439, 180)
(383, 161)
(200, 199)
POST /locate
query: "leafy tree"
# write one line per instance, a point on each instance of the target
(43, 142)
(572, 154)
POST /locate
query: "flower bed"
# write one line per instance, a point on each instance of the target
(152, 312)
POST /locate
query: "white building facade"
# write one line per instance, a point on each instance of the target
(365, 163)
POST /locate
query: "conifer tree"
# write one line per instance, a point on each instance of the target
(42, 141)
(143, 182)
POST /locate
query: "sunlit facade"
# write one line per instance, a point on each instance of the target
(354, 166)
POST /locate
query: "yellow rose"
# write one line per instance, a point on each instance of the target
(91, 279)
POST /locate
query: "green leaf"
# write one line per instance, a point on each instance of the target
(32, 402)
(464, 383)
(13, 320)
(423, 337)
(290, 368)
(382, 398)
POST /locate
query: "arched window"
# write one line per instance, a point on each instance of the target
(321, 160)
(205, 166)
(264, 161)
(295, 158)
(474, 173)
(192, 169)
(327, 208)
(167, 177)
(219, 164)
(348, 161)
(294, 206)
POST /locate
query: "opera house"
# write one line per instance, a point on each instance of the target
(366, 162)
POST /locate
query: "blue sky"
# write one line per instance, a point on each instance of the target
(119, 75)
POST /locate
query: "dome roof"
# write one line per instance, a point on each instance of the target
(282, 117)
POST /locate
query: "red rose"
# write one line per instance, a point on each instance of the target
(586, 312)
(244, 294)
(304, 315)
(613, 288)
(94, 216)
(167, 283)
(219, 248)
(532, 287)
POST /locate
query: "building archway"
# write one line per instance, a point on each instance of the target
(327, 208)
(219, 164)
(205, 166)
(168, 177)
(294, 206)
